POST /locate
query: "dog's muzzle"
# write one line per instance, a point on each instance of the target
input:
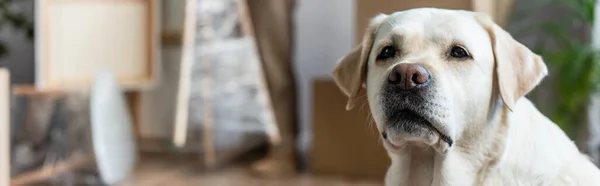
(409, 107)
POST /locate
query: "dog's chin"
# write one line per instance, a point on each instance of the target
(397, 141)
(411, 130)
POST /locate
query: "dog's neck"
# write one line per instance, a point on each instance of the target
(417, 166)
(498, 150)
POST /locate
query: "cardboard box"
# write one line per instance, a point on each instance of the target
(346, 143)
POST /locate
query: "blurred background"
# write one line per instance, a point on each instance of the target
(233, 92)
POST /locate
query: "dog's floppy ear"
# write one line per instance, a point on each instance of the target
(518, 69)
(350, 72)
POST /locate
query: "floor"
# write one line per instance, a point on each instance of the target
(186, 171)
(160, 173)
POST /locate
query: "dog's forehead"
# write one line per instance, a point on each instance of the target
(432, 23)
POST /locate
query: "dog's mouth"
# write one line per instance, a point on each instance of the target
(408, 125)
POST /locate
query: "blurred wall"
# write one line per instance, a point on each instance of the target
(20, 57)
(324, 32)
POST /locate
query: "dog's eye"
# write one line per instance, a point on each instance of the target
(387, 52)
(459, 52)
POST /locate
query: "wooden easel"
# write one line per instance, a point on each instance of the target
(183, 93)
(181, 113)
(182, 105)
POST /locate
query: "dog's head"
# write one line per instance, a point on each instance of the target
(432, 74)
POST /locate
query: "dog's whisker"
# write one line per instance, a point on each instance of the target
(369, 122)
(363, 104)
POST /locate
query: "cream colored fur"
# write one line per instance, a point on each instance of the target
(499, 137)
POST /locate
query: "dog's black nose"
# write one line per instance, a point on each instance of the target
(407, 76)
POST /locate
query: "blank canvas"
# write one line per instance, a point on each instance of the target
(78, 38)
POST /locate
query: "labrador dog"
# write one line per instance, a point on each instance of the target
(446, 90)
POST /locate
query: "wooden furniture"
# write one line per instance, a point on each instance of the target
(4, 127)
(181, 115)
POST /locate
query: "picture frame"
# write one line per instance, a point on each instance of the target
(76, 39)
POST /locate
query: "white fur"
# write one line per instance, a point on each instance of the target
(493, 145)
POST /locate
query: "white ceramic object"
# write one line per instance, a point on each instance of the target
(112, 131)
